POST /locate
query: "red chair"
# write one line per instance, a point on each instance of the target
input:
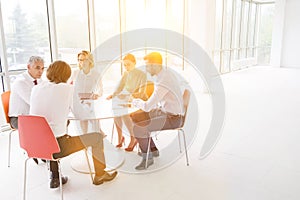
(38, 140)
(5, 96)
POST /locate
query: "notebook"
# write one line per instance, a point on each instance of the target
(83, 96)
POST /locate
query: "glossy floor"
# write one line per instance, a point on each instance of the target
(257, 156)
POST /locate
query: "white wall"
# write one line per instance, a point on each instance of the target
(290, 54)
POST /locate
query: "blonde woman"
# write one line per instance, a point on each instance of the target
(88, 87)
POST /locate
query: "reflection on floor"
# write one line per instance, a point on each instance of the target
(256, 157)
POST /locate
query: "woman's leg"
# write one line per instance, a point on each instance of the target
(84, 126)
(129, 125)
(118, 123)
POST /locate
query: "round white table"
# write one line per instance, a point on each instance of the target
(103, 109)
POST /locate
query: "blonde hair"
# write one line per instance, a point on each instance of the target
(58, 72)
(88, 56)
(130, 57)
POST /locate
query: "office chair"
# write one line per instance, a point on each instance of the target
(37, 139)
(186, 100)
(5, 96)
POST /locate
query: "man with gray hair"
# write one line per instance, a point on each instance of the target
(21, 90)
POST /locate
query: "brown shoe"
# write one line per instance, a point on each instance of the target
(98, 180)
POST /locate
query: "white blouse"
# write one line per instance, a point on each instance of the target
(86, 83)
(53, 101)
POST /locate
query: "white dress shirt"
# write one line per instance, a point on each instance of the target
(53, 101)
(86, 83)
(20, 94)
(167, 95)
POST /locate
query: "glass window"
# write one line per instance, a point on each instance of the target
(265, 33)
(1, 77)
(239, 30)
(218, 24)
(228, 24)
(71, 28)
(252, 28)
(26, 31)
(244, 30)
(156, 20)
(133, 15)
(107, 20)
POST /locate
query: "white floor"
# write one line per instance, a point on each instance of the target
(256, 157)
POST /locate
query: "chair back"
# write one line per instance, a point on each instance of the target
(36, 137)
(186, 101)
(5, 96)
(147, 90)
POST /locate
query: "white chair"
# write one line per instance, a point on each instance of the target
(186, 100)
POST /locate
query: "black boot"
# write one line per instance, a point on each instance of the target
(54, 183)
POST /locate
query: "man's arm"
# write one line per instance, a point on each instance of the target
(23, 90)
(158, 94)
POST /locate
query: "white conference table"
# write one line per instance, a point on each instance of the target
(103, 109)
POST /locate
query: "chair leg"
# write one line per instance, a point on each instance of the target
(148, 152)
(9, 147)
(89, 165)
(185, 148)
(112, 133)
(179, 140)
(60, 181)
(25, 179)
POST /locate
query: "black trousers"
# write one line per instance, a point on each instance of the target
(71, 144)
(13, 122)
(155, 120)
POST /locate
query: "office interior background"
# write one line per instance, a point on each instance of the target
(253, 45)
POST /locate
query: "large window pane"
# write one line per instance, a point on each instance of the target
(227, 24)
(251, 36)
(265, 33)
(133, 15)
(26, 31)
(218, 24)
(244, 30)
(156, 20)
(71, 28)
(107, 22)
(175, 12)
(237, 29)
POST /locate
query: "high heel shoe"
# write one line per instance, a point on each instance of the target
(130, 148)
(121, 142)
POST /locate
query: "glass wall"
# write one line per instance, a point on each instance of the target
(46, 28)
(26, 31)
(265, 33)
(72, 30)
(243, 33)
